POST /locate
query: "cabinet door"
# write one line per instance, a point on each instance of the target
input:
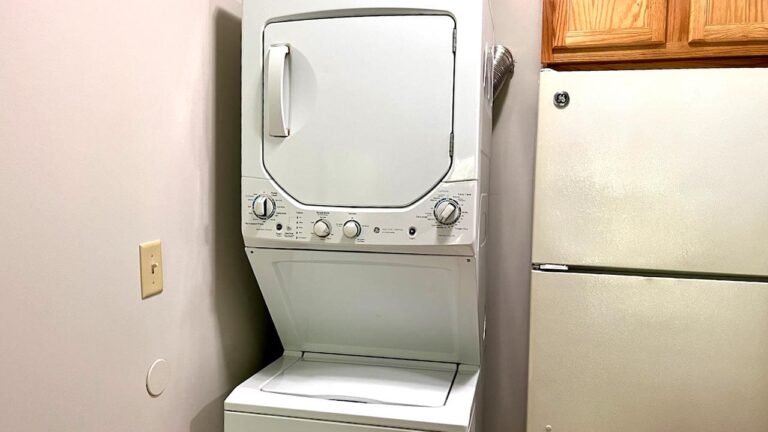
(729, 20)
(606, 23)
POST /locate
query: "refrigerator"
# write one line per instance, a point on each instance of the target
(649, 285)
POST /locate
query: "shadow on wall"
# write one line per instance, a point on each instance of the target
(498, 103)
(248, 337)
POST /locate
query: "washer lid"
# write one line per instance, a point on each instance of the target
(366, 380)
(358, 111)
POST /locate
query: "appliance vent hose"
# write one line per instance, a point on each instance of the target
(503, 68)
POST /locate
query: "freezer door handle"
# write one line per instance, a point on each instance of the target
(277, 89)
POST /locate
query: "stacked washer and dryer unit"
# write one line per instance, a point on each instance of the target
(366, 135)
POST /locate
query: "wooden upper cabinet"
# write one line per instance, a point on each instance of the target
(604, 34)
(608, 23)
(728, 20)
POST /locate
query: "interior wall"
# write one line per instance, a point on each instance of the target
(119, 123)
(517, 25)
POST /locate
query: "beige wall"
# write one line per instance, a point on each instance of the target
(518, 26)
(119, 123)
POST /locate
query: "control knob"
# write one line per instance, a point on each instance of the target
(322, 228)
(263, 207)
(351, 229)
(447, 211)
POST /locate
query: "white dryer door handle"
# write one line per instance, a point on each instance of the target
(278, 86)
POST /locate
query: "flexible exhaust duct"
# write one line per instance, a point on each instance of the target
(503, 67)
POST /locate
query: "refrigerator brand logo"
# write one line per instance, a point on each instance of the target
(561, 99)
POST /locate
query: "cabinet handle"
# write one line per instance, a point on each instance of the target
(278, 86)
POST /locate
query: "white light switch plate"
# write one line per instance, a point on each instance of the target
(151, 263)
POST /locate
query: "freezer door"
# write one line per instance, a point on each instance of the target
(358, 111)
(659, 170)
(637, 354)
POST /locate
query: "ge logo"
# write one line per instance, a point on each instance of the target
(562, 99)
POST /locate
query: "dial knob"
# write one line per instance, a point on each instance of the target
(447, 211)
(351, 229)
(322, 228)
(263, 207)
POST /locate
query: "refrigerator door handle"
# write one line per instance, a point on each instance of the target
(552, 267)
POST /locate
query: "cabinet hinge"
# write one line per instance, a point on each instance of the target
(454, 40)
(450, 148)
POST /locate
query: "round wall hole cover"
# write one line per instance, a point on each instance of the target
(157, 377)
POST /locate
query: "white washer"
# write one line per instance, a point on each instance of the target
(366, 133)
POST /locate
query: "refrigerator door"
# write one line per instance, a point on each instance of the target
(638, 354)
(663, 170)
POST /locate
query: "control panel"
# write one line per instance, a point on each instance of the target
(446, 217)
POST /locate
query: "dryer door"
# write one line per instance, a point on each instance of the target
(358, 111)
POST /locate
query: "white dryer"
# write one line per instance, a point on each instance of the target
(366, 134)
